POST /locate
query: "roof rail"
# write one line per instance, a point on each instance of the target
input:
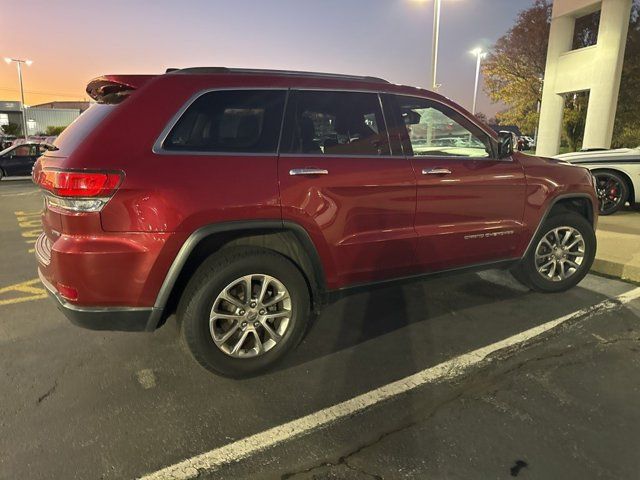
(256, 71)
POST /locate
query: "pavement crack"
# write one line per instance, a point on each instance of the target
(49, 392)
(344, 460)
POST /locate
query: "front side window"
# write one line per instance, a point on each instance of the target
(240, 121)
(434, 129)
(335, 123)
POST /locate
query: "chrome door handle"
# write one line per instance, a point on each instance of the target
(308, 171)
(436, 171)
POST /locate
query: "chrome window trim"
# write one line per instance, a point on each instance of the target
(159, 149)
(322, 155)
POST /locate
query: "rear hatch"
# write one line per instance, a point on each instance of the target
(64, 210)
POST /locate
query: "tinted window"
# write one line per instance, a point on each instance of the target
(434, 129)
(74, 134)
(243, 121)
(335, 123)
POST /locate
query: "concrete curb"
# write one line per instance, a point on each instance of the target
(616, 269)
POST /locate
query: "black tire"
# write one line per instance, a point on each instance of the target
(210, 279)
(527, 272)
(612, 189)
(1, 174)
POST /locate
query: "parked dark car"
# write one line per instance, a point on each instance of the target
(246, 200)
(18, 160)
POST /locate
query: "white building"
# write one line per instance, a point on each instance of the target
(38, 118)
(596, 69)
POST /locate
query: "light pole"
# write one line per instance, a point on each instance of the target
(434, 44)
(24, 114)
(479, 56)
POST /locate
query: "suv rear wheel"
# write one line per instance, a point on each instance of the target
(560, 255)
(243, 310)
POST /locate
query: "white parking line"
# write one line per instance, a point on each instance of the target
(240, 449)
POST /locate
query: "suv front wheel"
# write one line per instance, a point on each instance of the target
(560, 254)
(243, 310)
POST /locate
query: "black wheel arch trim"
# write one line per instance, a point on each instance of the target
(552, 203)
(244, 225)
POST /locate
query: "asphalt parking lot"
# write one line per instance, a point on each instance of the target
(491, 381)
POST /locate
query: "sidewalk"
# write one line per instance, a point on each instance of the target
(619, 245)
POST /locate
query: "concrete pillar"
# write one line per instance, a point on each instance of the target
(596, 69)
(605, 80)
(552, 107)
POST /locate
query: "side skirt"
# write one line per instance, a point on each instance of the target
(333, 295)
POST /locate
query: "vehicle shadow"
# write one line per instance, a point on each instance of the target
(363, 316)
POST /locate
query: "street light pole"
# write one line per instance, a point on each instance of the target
(434, 44)
(24, 113)
(479, 56)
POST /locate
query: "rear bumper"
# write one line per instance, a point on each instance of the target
(126, 319)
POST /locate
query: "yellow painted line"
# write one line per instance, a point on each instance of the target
(36, 293)
(32, 233)
(30, 224)
(21, 213)
(11, 301)
(18, 286)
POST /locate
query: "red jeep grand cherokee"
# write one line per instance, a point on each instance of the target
(242, 198)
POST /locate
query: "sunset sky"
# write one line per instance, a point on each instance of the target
(71, 41)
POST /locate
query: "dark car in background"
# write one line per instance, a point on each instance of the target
(18, 160)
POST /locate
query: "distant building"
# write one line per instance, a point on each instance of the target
(65, 105)
(40, 117)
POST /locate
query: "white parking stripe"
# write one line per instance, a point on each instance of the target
(240, 449)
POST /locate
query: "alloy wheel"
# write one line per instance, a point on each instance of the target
(560, 253)
(250, 316)
(609, 192)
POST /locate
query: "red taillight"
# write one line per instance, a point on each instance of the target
(67, 292)
(76, 190)
(78, 184)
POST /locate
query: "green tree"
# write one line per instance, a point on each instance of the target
(573, 121)
(514, 69)
(53, 131)
(12, 129)
(626, 129)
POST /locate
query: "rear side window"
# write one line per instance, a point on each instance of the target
(335, 123)
(74, 134)
(240, 121)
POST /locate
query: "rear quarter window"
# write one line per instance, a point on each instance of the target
(74, 134)
(237, 121)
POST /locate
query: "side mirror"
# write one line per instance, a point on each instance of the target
(505, 144)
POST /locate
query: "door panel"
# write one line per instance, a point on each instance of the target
(472, 215)
(469, 204)
(363, 207)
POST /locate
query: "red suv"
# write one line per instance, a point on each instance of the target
(242, 199)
